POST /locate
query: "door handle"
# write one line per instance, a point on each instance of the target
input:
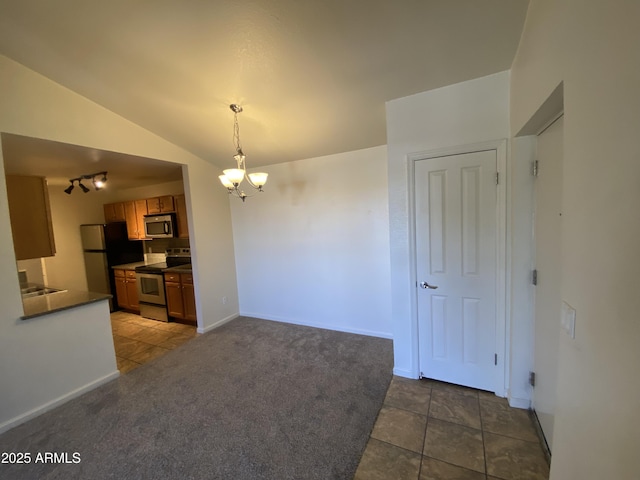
(426, 285)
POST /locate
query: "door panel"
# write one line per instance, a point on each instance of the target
(548, 301)
(456, 248)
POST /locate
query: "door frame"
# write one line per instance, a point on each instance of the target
(503, 264)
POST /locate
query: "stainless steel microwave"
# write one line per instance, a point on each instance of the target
(159, 226)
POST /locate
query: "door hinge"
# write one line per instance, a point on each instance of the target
(495, 359)
(532, 379)
(534, 277)
(497, 178)
(534, 168)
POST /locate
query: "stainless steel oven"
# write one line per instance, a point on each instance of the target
(150, 284)
(153, 303)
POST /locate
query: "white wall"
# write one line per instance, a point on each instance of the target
(149, 191)
(592, 48)
(68, 212)
(469, 112)
(313, 249)
(29, 351)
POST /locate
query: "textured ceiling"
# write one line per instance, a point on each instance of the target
(312, 75)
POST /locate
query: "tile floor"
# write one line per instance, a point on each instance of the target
(138, 340)
(428, 430)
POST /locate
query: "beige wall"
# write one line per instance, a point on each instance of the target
(34, 106)
(592, 47)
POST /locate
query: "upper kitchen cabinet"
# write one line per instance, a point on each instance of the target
(181, 216)
(135, 210)
(160, 205)
(114, 212)
(30, 217)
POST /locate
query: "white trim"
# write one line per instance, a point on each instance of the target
(337, 328)
(520, 403)
(217, 324)
(503, 264)
(14, 422)
(400, 372)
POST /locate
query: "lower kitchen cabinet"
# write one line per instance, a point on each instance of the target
(188, 297)
(181, 301)
(127, 289)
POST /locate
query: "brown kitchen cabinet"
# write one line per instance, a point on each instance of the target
(114, 212)
(30, 217)
(162, 204)
(188, 296)
(127, 289)
(135, 210)
(181, 216)
(181, 302)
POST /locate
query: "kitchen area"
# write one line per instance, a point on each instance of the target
(127, 244)
(141, 256)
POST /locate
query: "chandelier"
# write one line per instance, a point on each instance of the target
(233, 177)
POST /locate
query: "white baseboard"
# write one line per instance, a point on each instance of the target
(520, 402)
(337, 328)
(405, 373)
(14, 422)
(217, 324)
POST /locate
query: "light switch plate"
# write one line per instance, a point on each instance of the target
(568, 320)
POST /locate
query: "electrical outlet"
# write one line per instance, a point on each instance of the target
(568, 320)
(224, 300)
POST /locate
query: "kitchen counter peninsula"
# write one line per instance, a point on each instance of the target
(39, 305)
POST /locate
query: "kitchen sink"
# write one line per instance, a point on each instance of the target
(37, 290)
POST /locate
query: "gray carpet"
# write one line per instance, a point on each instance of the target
(253, 399)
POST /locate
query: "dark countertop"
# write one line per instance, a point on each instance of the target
(54, 302)
(129, 266)
(179, 269)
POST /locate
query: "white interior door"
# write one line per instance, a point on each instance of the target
(456, 249)
(548, 260)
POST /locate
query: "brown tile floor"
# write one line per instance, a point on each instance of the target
(138, 340)
(428, 430)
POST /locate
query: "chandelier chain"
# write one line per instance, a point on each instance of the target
(236, 134)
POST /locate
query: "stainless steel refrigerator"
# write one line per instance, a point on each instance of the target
(106, 245)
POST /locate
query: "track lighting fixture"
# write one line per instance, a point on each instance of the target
(97, 179)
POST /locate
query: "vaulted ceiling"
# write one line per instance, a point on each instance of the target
(313, 76)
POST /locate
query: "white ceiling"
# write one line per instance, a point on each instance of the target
(313, 76)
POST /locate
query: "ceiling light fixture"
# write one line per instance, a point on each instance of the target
(98, 184)
(233, 177)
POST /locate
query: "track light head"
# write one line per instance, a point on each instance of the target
(82, 187)
(69, 189)
(98, 184)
